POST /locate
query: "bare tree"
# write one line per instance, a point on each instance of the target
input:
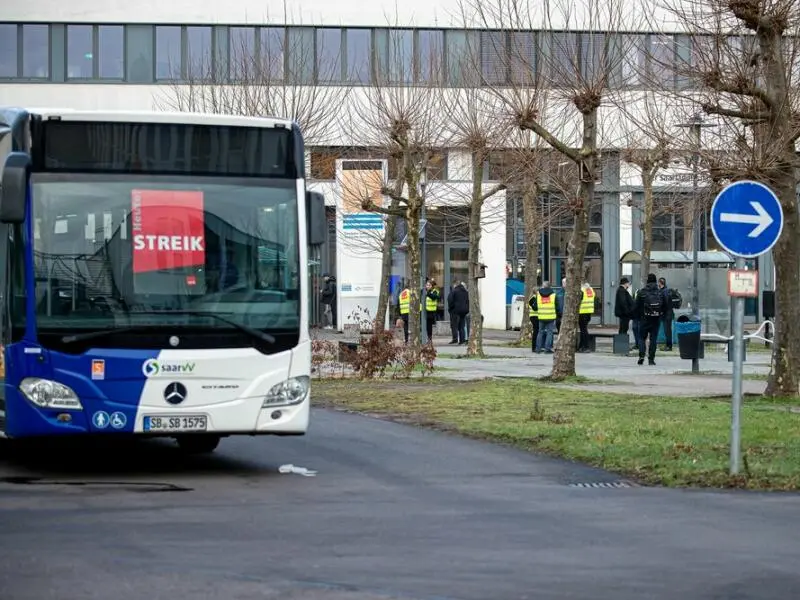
(650, 147)
(269, 72)
(534, 173)
(578, 81)
(406, 122)
(744, 68)
(474, 126)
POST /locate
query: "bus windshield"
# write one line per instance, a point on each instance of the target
(112, 251)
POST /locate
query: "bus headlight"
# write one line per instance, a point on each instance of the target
(291, 391)
(49, 394)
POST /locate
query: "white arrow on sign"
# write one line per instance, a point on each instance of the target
(762, 220)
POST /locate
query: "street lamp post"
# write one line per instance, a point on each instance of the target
(696, 125)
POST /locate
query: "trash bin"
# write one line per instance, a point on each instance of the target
(687, 328)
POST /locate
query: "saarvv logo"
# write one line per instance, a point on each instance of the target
(153, 368)
(168, 229)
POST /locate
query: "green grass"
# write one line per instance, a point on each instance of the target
(667, 441)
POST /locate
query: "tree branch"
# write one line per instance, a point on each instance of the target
(533, 125)
(394, 195)
(754, 115)
(493, 191)
(738, 88)
(372, 207)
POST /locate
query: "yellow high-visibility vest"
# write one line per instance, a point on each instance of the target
(430, 304)
(405, 301)
(587, 302)
(546, 306)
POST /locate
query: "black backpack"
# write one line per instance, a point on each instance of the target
(676, 298)
(652, 302)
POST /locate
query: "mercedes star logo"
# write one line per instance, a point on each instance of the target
(175, 393)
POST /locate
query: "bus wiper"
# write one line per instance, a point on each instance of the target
(259, 335)
(90, 335)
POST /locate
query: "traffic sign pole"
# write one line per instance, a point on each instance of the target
(736, 400)
(747, 220)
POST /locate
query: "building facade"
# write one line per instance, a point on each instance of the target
(109, 55)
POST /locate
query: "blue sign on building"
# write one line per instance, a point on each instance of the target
(747, 219)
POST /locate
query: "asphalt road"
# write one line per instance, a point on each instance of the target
(393, 512)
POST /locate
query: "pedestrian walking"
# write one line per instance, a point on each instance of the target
(651, 305)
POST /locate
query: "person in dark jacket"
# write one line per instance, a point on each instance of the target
(623, 305)
(458, 307)
(328, 298)
(651, 305)
(669, 316)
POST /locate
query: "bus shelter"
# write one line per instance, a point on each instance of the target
(676, 268)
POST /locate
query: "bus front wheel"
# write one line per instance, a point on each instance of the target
(198, 444)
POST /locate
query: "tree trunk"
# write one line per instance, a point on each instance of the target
(386, 268)
(784, 378)
(413, 210)
(647, 223)
(475, 345)
(564, 358)
(530, 212)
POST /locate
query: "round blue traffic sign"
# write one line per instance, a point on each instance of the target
(747, 219)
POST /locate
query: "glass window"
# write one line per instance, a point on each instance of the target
(236, 244)
(594, 58)
(629, 51)
(329, 55)
(80, 58)
(359, 45)
(242, 42)
(139, 53)
(662, 60)
(36, 51)
(323, 164)
(273, 48)
(522, 57)
(110, 48)
(394, 49)
(563, 59)
(168, 52)
(430, 44)
(199, 56)
(8, 50)
(493, 57)
(461, 53)
(300, 50)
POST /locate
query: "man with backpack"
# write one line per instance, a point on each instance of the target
(651, 306)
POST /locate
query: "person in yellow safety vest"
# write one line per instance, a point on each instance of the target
(533, 316)
(546, 313)
(404, 302)
(431, 295)
(585, 312)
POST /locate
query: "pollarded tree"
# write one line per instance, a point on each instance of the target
(744, 71)
(406, 122)
(474, 126)
(575, 74)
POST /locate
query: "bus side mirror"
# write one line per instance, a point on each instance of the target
(316, 218)
(14, 187)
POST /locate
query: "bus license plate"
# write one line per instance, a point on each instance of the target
(175, 423)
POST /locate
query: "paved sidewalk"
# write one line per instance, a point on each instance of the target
(615, 374)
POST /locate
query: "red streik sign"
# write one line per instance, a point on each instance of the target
(168, 230)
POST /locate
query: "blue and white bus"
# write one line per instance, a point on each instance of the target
(153, 273)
